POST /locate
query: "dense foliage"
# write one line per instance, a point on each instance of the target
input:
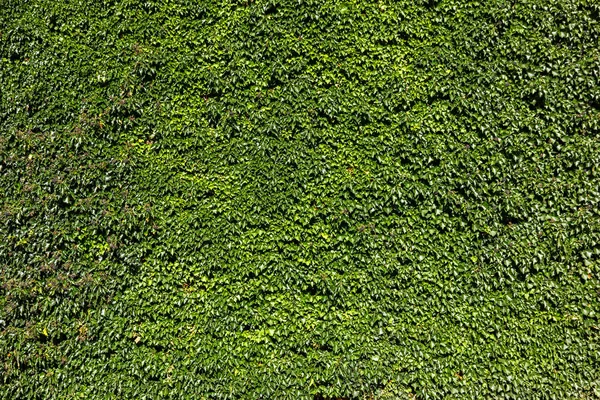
(299, 198)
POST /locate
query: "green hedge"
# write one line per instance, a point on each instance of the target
(299, 199)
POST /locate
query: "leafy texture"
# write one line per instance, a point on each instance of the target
(299, 199)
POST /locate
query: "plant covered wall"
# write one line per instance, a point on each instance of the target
(299, 199)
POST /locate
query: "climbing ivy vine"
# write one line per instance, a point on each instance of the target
(299, 199)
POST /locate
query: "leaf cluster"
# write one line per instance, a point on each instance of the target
(299, 199)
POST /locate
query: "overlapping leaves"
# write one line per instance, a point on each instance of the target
(263, 199)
